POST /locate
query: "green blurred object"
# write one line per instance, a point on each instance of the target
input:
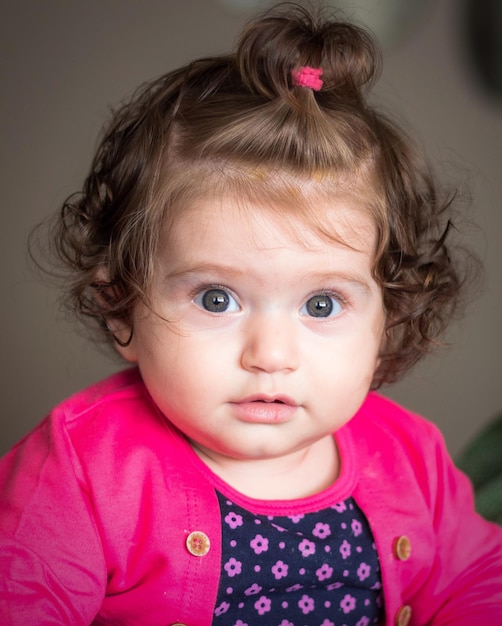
(482, 462)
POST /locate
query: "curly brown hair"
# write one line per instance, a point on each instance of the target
(239, 124)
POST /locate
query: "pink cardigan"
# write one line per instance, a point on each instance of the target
(96, 505)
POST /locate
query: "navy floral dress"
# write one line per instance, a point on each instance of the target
(315, 569)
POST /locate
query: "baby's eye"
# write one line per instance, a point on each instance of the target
(321, 305)
(216, 300)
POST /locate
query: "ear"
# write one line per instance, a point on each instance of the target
(105, 296)
(123, 337)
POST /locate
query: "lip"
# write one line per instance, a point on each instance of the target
(265, 409)
(268, 399)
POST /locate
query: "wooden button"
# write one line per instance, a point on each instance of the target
(178, 624)
(403, 616)
(198, 543)
(402, 548)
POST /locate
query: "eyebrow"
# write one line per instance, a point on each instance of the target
(205, 268)
(346, 276)
(233, 272)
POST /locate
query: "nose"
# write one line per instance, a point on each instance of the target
(270, 345)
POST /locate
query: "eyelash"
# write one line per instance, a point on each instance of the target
(336, 295)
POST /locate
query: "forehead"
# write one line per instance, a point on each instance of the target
(342, 220)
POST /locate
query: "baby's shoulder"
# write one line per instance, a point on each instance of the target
(385, 422)
(115, 413)
(388, 440)
(109, 394)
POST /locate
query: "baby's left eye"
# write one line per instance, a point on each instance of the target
(321, 305)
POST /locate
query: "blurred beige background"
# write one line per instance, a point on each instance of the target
(63, 64)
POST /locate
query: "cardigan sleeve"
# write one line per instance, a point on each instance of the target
(410, 489)
(51, 566)
(465, 577)
(96, 507)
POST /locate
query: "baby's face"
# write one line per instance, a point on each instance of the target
(260, 342)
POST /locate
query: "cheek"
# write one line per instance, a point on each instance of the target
(192, 363)
(351, 356)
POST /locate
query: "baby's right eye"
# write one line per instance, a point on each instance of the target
(216, 300)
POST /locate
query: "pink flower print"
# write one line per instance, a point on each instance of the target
(364, 621)
(279, 570)
(307, 547)
(223, 608)
(253, 590)
(285, 622)
(296, 587)
(233, 520)
(327, 622)
(262, 605)
(321, 530)
(336, 585)
(357, 529)
(279, 528)
(348, 603)
(259, 544)
(324, 572)
(233, 567)
(363, 571)
(340, 507)
(296, 518)
(345, 549)
(306, 604)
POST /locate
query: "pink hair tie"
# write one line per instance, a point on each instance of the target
(306, 76)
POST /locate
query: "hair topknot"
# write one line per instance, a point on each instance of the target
(238, 123)
(269, 49)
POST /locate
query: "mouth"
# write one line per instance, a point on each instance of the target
(265, 409)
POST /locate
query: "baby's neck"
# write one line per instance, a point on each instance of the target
(298, 475)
